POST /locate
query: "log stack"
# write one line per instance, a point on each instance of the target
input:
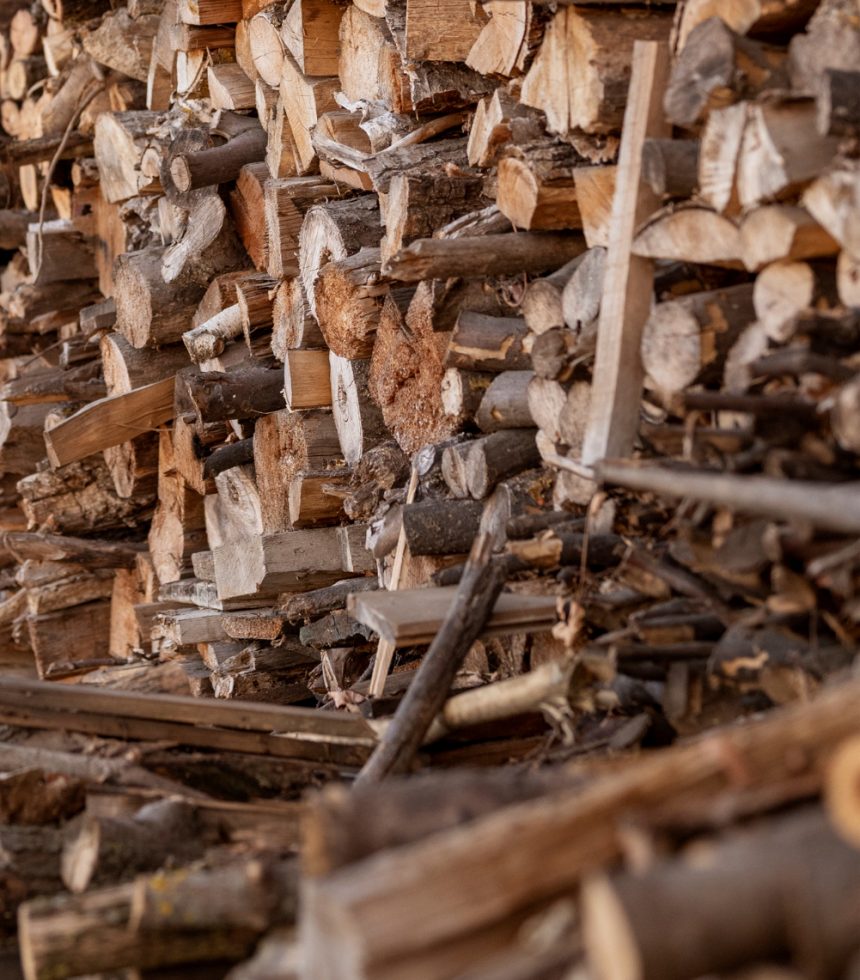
(425, 432)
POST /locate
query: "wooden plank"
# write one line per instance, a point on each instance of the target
(188, 626)
(415, 615)
(614, 415)
(244, 716)
(109, 422)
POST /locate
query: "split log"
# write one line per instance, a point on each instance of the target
(781, 151)
(266, 45)
(307, 379)
(690, 234)
(230, 88)
(348, 300)
(462, 392)
(304, 100)
(542, 304)
(686, 338)
(287, 201)
(782, 231)
(536, 187)
(358, 421)
(422, 200)
(126, 367)
(331, 232)
(293, 327)
(784, 290)
(832, 201)
(310, 33)
(671, 167)
(717, 65)
(594, 93)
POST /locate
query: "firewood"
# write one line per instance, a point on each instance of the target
(61, 547)
(310, 501)
(716, 65)
(307, 379)
(247, 203)
(781, 151)
(151, 312)
(240, 393)
(418, 353)
(747, 17)
(531, 252)
(690, 233)
(287, 202)
(130, 930)
(536, 188)
(462, 392)
(782, 231)
(310, 33)
(293, 326)
(685, 338)
(230, 87)
(334, 231)
(219, 164)
(837, 113)
(266, 45)
(498, 456)
(542, 304)
(829, 42)
(419, 202)
(505, 404)
(177, 525)
(282, 158)
(503, 46)
(493, 124)
(304, 101)
(582, 294)
(53, 385)
(209, 339)
(348, 301)
(784, 290)
(106, 851)
(831, 200)
(487, 343)
(286, 444)
(133, 466)
(671, 167)
(593, 97)
(269, 564)
(358, 421)
(775, 901)
(126, 367)
(369, 66)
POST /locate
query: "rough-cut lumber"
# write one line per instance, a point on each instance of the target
(109, 422)
(617, 371)
(782, 231)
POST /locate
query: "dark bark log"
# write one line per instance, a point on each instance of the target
(240, 394)
(497, 457)
(488, 343)
(441, 527)
(226, 457)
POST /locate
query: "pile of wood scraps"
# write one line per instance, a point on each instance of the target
(429, 516)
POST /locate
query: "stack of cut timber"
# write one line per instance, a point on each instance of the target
(354, 358)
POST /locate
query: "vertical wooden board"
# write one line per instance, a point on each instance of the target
(628, 284)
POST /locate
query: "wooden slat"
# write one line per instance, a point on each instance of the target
(616, 391)
(109, 422)
(415, 615)
(245, 715)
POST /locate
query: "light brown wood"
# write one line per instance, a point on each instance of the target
(627, 286)
(109, 422)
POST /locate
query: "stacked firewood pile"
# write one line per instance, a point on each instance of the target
(468, 389)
